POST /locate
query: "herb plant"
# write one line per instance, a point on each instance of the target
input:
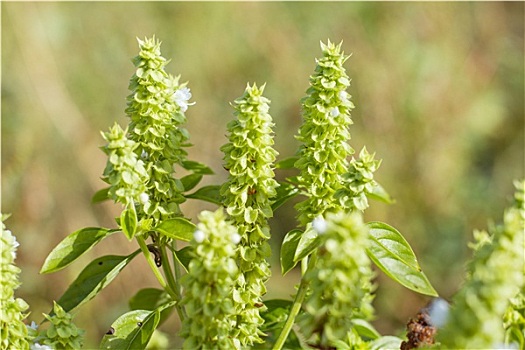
(213, 273)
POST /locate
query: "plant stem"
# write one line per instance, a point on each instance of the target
(153, 266)
(296, 307)
(176, 267)
(297, 303)
(172, 281)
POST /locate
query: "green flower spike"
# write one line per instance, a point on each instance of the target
(358, 182)
(62, 333)
(249, 157)
(514, 320)
(13, 331)
(340, 281)
(125, 172)
(324, 135)
(209, 285)
(156, 108)
(496, 275)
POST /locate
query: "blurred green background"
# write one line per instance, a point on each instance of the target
(439, 90)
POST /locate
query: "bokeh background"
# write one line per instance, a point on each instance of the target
(439, 90)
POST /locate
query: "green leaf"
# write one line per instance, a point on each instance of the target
(73, 246)
(276, 314)
(285, 192)
(190, 181)
(365, 329)
(273, 304)
(385, 342)
(288, 249)
(100, 195)
(151, 299)
(378, 193)
(307, 244)
(133, 330)
(177, 228)
(95, 277)
(207, 193)
(184, 256)
(389, 250)
(287, 163)
(196, 167)
(128, 222)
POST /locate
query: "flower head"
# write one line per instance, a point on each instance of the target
(247, 194)
(62, 333)
(496, 274)
(14, 332)
(358, 182)
(156, 106)
(124, 171)
(340, 281)
(324, 135)
(209, 286)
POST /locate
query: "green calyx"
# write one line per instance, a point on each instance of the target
(249, 158)
(358, 182)
(124, 171)
(324, 135)
(496, 274)
(340, 281)
(13, 311)
(209, 285)
(156, 108)
(62, 332)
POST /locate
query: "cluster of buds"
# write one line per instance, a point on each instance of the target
(249, 157)
(324, 135)
(156, 107)
(209, 285)
(62, 333)
(125, 171)
(13, 331)
(340, 281)
(495, 275)
(358, 182)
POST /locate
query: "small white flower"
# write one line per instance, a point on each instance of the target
(320, 225)
(199, 236)
(144, 155)
(343, 95)
(438, 312)
(144, 198)
(181, 98)
(33, 325)
(331, 245)
(236, 238)
(14, 244)
(37, 346)
(334, 112)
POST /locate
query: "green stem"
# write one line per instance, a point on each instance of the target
(176, 267)
(297, 303)
(153, 266)
(172, 281)
(296, 307)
